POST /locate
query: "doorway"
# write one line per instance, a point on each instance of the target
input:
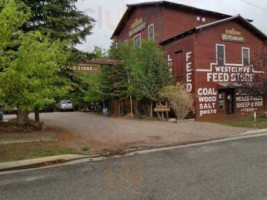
(226, 100)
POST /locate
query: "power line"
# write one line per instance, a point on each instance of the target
(252, 4)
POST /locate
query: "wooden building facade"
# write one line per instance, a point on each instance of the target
(210, 52)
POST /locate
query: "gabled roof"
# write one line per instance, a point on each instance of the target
(132, 7)
(237, 18)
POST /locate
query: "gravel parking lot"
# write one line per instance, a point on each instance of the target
(98, 132)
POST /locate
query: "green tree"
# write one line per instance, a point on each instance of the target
(152, 73)
(59, 19)
(32, 78)
(13, 14)
(144, 73)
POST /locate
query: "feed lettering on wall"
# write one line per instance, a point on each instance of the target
(189, 85)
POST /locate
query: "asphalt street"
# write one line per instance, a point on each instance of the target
(233, 170)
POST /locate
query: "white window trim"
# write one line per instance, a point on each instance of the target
(222, 45)
(243, 55)
(151, 25)
(138, 35)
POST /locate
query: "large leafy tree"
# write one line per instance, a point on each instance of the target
(59, 19)
(31, 63)
(32, 79)
(13, 14)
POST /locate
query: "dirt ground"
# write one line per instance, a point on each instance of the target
(98, 133)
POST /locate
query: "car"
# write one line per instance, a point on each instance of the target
(48, 108)
(1, 116)
(66, 105)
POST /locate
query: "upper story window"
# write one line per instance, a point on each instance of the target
(246, 56)
(137, 40)
(151, 32)
(220, 54)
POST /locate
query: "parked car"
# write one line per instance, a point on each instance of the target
(1, 116)
(9, 111)
(66, 105)
(48, 108)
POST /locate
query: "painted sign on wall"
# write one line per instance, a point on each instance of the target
(231, 35)
(248, 103)
(189, 73)
(230, 74)
(137, 26)
(207, 98)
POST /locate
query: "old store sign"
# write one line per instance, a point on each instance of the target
(86, 67)
(137, 26)
(231, 35)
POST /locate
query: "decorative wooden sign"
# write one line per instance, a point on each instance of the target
(231, 35)
(162, 108)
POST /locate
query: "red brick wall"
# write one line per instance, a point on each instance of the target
(178, 21)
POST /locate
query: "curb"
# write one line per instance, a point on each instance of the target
(38, 162)
(252, 132)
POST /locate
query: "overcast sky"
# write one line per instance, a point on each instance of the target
(107, 13)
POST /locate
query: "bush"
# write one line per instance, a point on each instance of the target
(181, 102)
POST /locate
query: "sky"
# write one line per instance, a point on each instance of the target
(108, 13)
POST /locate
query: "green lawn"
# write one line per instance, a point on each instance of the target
(13, 152)
(248, 122)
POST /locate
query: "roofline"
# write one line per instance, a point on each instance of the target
(201, 27)
(131, 7)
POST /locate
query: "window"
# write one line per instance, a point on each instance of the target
(221, 100)
(137, 40)
(246, 56)
(220, 55)
(116, 44)
(151, 32)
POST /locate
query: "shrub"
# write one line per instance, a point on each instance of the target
(181, 101)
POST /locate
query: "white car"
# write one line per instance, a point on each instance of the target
(66, 105)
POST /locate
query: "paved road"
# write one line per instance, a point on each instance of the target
(235, 170)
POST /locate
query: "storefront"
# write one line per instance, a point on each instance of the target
(211, 53)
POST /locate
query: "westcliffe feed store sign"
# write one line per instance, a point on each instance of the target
(209, 52)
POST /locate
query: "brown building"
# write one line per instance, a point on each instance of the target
(210, 52)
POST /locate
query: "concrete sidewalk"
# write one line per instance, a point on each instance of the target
(22, 164)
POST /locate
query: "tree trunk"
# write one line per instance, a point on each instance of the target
(23, 117)
(131, 101)
(151, 109)
(37, 114)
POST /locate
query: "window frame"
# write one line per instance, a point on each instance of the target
(245, 48)
(136, 36)
(217, 55)
(148, 29)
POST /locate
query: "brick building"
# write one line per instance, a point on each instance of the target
(209, 51)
